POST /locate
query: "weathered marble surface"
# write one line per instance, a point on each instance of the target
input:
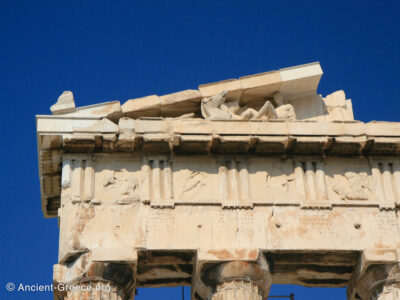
(156, 192)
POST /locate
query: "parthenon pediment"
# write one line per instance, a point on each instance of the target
(297, 87)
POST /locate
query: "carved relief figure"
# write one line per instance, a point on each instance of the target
(194, 181)
(279, 179)
(125, 184)
(217, 108)
(283, 111)
(351, 185)
(211, 108)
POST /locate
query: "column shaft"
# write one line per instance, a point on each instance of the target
(237, 290)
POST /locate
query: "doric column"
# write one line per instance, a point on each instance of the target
(380, 282)
(237, 290)
(94, 281)
(238, 280)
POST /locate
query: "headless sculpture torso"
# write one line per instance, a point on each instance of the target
(285, 111)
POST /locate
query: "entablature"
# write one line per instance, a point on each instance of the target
(336, 165)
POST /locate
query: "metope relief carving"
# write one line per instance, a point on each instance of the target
(279, 178)
(124, 183)
(351, 185)
(349, 180)
(196, 180)
(272, 180)
(120, 185)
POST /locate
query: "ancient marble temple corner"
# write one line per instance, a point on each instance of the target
(227, 188)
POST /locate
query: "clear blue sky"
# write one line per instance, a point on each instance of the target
(115, 50)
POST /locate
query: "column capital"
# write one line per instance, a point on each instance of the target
(378, 279)
(118, 276)
(256, 273)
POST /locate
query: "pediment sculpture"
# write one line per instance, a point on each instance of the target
(218, 108)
